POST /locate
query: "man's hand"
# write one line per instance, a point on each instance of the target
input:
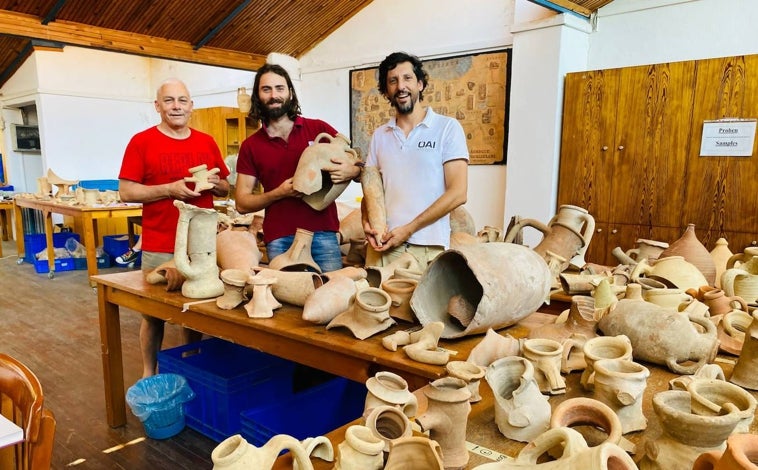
(287, 189)
(179, 190)
(395, 237)
(342, 169)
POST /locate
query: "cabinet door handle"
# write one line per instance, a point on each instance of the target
(599, 230)
(604, 148)
(614, 231)
(621, 147)
(755, 242)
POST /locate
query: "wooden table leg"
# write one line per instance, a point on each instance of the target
(113, 366)
(90, 237)
(49, 240)
(19, 232)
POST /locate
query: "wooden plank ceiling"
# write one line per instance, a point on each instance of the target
(229, 33)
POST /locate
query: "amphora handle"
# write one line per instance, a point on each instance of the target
(518, 226)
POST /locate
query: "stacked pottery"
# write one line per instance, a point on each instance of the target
(740, 454)
(446, 419)
(685, 435)
(521, 412)
(689, 247)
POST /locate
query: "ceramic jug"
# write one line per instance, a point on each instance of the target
(647, 249)
(501, 283)
(244, 101)
(446, 418)
(559, 241)
(414, 453)
(741, 454)
(298, 256)
(673, 271)
(620, 384)
(576, 454)
(400, 291)
(719, 303)
(603, 347)
(195, 251)
(714, 397)
(360, 450)
(737, 259)
(292, 287)
(311, 177)
(742, 281)
(235, 453)
(580, 220)
(388, 388)
(521, 412)
(331, 299)
(661, 335)
(720, 255)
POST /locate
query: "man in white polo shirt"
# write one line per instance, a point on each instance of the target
(423, 160)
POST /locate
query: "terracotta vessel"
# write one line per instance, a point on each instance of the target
(603, 347)
(719, 303)
(579, 219)
(377, 275)
(684, 435)
(388, 423)
(292, 287)
(646, 249)
(368, 314)
(237, 249)
(521, 412)
(576, 454)
(400, 291)
(582, 284)
(494, 346)
(195, 254)
(731, 331)
(244, 101)
(545, 355)
(660, 335)
(373, 195)
(742, 281)
(298, 256)
(672, 298)
(707, 371)
(446, 418)
(331, 299)
(200, 176)
(311, 177)
(414, 453)
(559, 242)
(469, 373)
(388, 388)
(360, 450)
(596, 421)
(741, 454)
(500, 283)
(620, 384)
(672, 271)
(490, 234)
(422, 345)
(713, 397)
(235, 453)
(234, 288)
(737, 259)
(689, 247)
(461, 221)
(720, 255)
(745, 373)
(263, 303)
(351, 227)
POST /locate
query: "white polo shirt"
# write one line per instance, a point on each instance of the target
(412, 172)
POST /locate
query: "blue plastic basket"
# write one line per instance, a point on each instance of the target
(158, 402)
(36, 242)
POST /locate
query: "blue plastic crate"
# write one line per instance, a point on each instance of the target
(35, 242)
(104, 261)
(61, 264)
(313, 412)
(80, 263)
(227, 379)
(115, 245)
(102, 185)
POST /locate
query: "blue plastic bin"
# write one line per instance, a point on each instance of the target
(158, 402)
(102, 185)
(313, 412)
(115, 245)
(227, 379)
(35, 242)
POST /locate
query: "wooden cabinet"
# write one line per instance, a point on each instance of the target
(227, 125)
(630, 153)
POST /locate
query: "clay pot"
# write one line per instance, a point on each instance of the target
(620, 384)
(603, 347)
(237, 249)
(741, 454)
(719, 303)
(298, 256)
(446, 417)
(594, 417)
(712, 397)
(388, 388)
(244, 101)
(360, 450)
(414, 453)
(500, 283)
(738, 259)
(235, 453)
(731, 331)
(494, 346)
(720, 255)
(234, 288)
(195, 254)
(660, 335)
(521, 412)
(672, 271)
(545, 355)
(685, 435)
(373, 196)
(576, 454)
(377, 275)
(647, 249)
(400, 291)
(670, 298)
(331, 299)
(292, 287)
(742, 281)
(580, 220)
(368, 314)
(745, 373)
(708, 371)
(469, 373)
(574, 284)
(422, 345)
(311, 177)
(690, 248)
(200, 176)
(388, 423)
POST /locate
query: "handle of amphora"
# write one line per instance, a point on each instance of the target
(589, 228)
(571, 441)
(641, 268)
(521, 224)
(739, 300)
(624, 258)
(733, 260)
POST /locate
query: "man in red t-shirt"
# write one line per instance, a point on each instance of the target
(155, 163)
(270, 156)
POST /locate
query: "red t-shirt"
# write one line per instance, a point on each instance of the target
(153, 158)
(272, 160)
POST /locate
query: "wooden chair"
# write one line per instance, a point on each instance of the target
(22, 401)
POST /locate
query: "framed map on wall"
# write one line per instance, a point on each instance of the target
(472, 88)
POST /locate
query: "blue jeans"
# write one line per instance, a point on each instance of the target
(325, 249)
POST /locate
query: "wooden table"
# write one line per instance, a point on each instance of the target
(6, 209)
(87, 214)
(285, 335)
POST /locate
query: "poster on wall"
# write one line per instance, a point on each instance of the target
(472, 88)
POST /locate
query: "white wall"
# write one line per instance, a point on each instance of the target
(428, 29)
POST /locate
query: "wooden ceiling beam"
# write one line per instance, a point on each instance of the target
(563, 6)
(29, 26)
